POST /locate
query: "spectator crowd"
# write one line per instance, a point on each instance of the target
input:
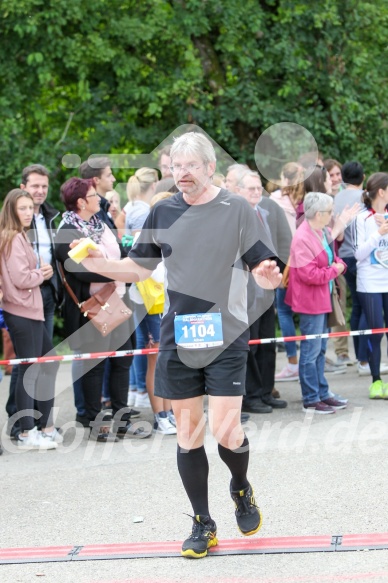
(328, 224)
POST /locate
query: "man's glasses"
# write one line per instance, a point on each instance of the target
(189, 167)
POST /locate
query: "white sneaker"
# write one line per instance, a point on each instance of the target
(131, 398)
(54, 436)
(364, 369)
(163, 425)
(171, 418)
(35, 440)
(142, 400)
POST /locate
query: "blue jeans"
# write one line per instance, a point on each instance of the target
(375, 306)
(286, 321)
(312, 359)
(147, 328)
(357, 317)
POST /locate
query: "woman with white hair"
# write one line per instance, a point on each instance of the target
(313, 269)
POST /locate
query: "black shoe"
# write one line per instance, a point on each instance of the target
(84, 421)
(274, 403)
(248, 515)
(130, 430)
(280, 347)
(13, 429)
(203, 536)
(244, 417)
(103, 437)
(133, 413)
(256, 406)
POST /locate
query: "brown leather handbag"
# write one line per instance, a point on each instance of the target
(105, 309)
(336, 316)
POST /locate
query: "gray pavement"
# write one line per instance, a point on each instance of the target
(313, 475)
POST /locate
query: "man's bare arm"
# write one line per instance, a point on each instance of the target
(125, 270)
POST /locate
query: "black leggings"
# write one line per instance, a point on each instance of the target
(35, 382)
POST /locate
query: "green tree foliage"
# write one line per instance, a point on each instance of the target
(120, 75)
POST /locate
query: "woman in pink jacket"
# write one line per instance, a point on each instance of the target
(313, 269)
(22, 273)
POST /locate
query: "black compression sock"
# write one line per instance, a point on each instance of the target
(193, 468)
(237, 461)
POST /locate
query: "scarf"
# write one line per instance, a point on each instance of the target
(92, 229)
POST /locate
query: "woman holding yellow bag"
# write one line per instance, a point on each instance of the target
(148, 304)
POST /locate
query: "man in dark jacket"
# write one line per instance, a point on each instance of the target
(35, 181)
(260, 376)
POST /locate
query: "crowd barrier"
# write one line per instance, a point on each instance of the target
(136, 352)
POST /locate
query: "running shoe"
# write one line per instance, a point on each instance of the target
(377, 390)
(203, 536)
(248, 515)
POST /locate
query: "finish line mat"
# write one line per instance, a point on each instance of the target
(246, 546)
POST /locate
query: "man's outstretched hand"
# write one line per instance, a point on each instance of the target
(267, 274)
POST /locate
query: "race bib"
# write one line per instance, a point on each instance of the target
(381, 256)
(198, 330)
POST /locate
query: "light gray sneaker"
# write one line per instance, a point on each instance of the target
(333, 368)
(344, 359)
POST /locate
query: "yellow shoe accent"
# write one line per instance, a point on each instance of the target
(203, 536)
(256, 529)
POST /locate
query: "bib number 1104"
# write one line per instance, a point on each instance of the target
(198, 330)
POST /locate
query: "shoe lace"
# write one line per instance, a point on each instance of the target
(245, 503)
(199, 528)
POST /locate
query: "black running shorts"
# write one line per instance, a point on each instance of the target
(224, 376)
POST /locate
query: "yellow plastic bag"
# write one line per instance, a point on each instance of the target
(152, 293)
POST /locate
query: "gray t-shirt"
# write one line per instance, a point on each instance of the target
(346, 197)
(208, 250)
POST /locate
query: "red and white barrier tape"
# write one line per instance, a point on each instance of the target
(117, 353)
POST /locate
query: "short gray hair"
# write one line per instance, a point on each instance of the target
(315, 202)
(243, 176)
(196, 144)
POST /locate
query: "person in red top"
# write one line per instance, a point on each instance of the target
(23, 313)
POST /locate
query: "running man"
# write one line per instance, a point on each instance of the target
(209, 240)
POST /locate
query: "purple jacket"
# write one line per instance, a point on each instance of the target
(308, 289)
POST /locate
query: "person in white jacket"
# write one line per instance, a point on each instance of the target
(371, 251)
